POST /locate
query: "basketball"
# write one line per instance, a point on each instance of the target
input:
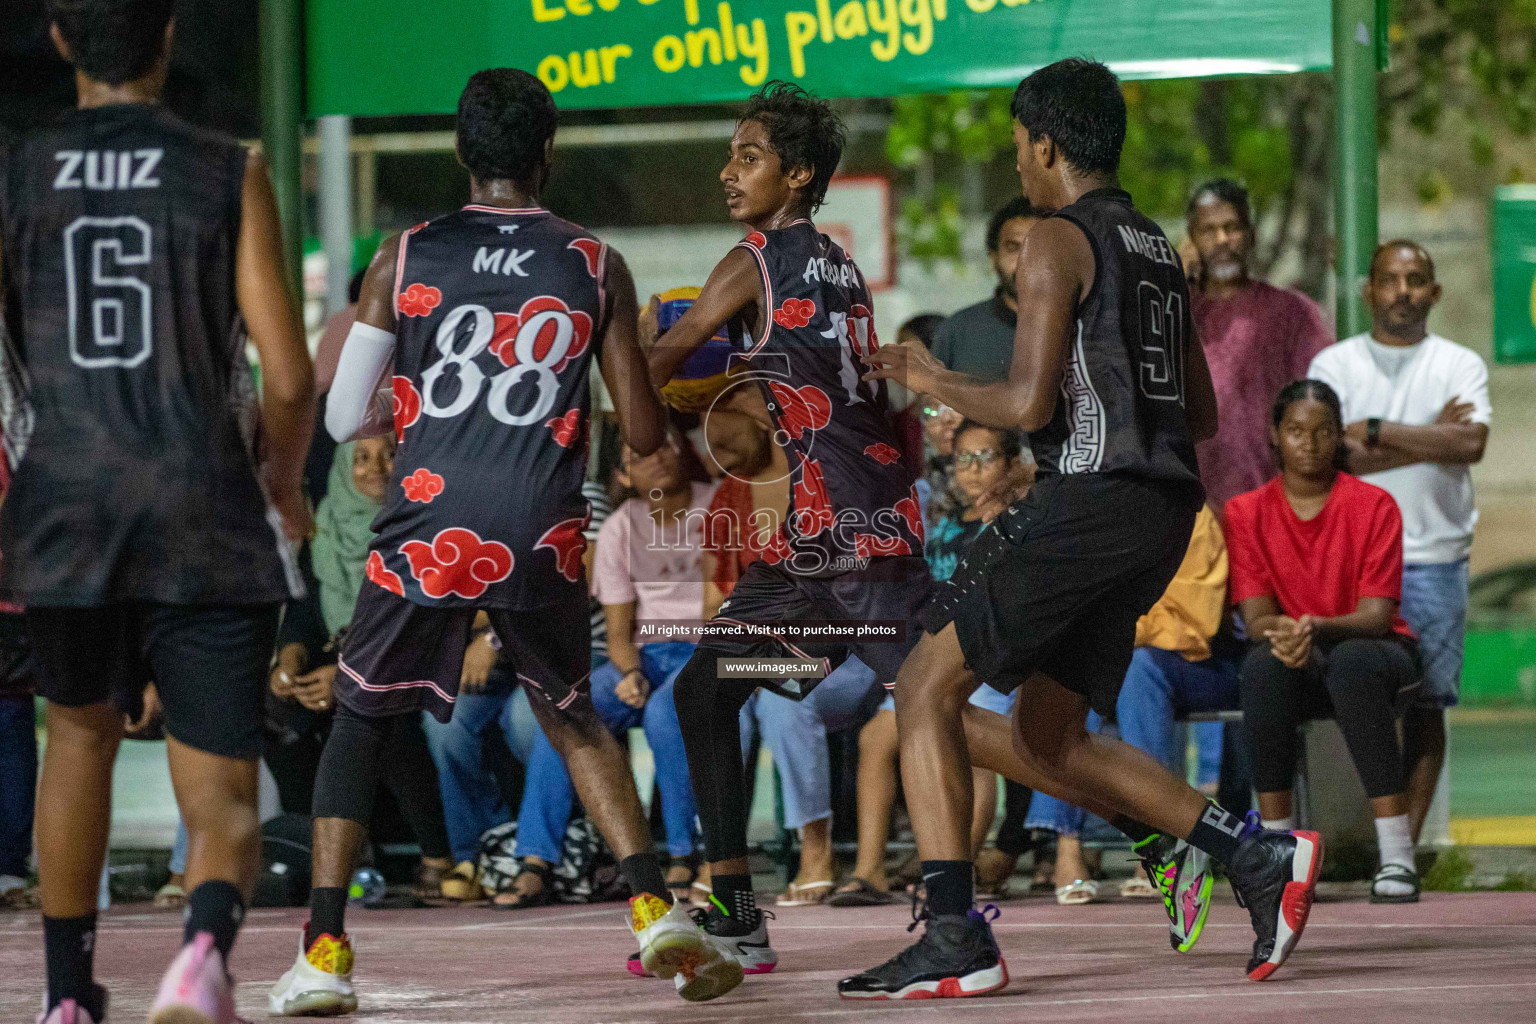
(705, 373)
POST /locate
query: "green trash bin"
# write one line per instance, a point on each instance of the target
(1514, 274)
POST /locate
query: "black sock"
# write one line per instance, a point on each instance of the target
(327, 912)
(1134, 830)
(642, 871)
(70, 943)
(1217, 833)
(951, 886)
(216, 908)
(733, 896)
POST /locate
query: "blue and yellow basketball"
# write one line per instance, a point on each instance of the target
(705, 373)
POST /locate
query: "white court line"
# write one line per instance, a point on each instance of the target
(1016, 1005)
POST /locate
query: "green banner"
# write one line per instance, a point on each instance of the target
(1514, 274)
(412, 57)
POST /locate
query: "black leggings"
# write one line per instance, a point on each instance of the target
(359, 753)
(709, 711)
(1355, 682)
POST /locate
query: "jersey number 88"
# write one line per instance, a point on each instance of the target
(471, 377)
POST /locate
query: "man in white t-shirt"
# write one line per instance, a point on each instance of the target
(1418, 413)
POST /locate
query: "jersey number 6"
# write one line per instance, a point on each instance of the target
(110, 310)
(471, 377)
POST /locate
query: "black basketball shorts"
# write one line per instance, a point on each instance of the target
(892, 590)
(209, 664)
(1056, 583)
(400, 657)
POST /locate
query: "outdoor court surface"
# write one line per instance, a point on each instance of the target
(1464, 958)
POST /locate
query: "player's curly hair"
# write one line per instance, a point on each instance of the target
(1300, 390)
(505, 118)
(112, 41)
(803, 130)
(1077, 103)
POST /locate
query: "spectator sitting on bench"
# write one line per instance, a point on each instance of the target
(1317, 571)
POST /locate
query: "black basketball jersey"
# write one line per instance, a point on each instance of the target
(1122, 392)
(120, 226)
(499, 314)
(853, 496)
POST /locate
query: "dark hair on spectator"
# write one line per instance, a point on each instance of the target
(1013, 209)
(1009, 442)
(1223, 190)
(1402, 243)
(924, 326)
(1078, 103)
(1300, 390)
(803, 130)
(505, 118)
(112, 41)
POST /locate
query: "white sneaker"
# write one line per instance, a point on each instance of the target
(673, 946)
(750, 950)
(319, 984)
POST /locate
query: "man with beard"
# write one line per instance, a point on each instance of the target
(1417, 411)
(1256, 337)
(978, 340)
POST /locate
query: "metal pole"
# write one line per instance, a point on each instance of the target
(336, 207)
(1354, 160)
(282, 112)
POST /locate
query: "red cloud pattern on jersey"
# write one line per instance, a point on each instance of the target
(757, 240)
(801, 409)
(567, 539)
(912, 511)
(590, 249)
(565, 428)
(509, 324)
(813, 509)
(418, 300)
(376, 573)
(794, 313)
(457, 562)
(407, 405)
(882, 453)
(422, 485)
(869, 545)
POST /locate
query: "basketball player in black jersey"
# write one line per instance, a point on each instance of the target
(486, 322)
(1111, 383)
(146, 535)
(800, 318)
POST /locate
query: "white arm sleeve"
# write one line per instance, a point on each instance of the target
(366, 358)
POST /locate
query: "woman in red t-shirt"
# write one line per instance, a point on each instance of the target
(1317, 569)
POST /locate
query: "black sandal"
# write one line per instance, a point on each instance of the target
(1395, 873)
(861, 895)
(529, 900)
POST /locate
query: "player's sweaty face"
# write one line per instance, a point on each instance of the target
(755, 185)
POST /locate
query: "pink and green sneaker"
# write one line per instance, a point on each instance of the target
(1182, 874)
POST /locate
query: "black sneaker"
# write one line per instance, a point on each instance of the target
(1274, 875)
(957, 957)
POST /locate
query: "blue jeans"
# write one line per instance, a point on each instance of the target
(548, 794)
(18, 783)
(471, 800)
(795, 732)
(1161, 685)
(1435, 605)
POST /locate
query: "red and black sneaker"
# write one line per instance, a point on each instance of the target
(1274, 875)
(957, 957)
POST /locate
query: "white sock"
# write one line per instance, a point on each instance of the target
(1285, 824)
(1396, 842)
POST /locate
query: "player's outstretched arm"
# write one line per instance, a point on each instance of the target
(733, 285)
(287, 375)
(353, 408)
(635, 400)
(1056, 269)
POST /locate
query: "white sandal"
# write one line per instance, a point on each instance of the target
(1080, 891)
(808, 895)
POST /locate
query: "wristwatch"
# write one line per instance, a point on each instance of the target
(1373, 432)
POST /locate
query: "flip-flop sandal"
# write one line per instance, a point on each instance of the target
(1395, 873)
(808, 895)
(863, 894)
(462, 884)
(527, 901)
(1079, 892)
(170, 897)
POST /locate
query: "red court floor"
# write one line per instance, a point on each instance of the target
(1466, 958)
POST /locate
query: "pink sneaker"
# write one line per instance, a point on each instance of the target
(68, 1012)
(196, 989)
